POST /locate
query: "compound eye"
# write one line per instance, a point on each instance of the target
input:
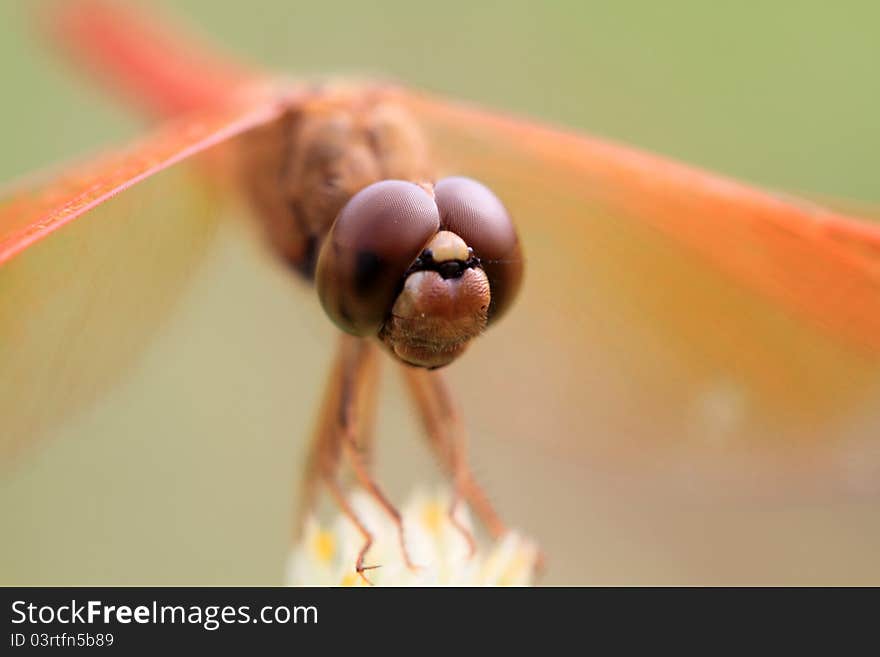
(374, 240)
(470, 210)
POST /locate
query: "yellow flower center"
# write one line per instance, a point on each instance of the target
(324, 546)
(433, 515)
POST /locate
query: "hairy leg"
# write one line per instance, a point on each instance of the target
(445, 428)
(339, 495)
(344, 431)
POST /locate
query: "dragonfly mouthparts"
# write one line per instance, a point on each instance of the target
(446, 268)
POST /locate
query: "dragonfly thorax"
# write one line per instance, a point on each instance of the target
(302, 170)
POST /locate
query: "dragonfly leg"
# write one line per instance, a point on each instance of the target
(345, 430)
(366, 480)
(445, 428)
(339, 495)
(323, 456)
(358, 396)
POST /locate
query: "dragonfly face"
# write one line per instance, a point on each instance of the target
(398, 264)
(424, 267)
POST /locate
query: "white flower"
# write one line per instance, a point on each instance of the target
(326, 555)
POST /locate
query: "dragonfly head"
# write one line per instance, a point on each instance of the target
(424, 268)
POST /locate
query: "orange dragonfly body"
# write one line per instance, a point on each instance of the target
(672, 322)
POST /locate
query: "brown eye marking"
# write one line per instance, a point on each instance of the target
(376, 237)
(368, 267)
(471, 210)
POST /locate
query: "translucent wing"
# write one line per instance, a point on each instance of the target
(672, 316)
(32, 209)
(80, 297)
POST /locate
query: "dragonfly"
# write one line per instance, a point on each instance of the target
(649, 308)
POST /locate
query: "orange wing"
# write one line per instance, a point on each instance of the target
(819, 264)
(81, 304)
(32, 210)
(670, 315)
(163, 72)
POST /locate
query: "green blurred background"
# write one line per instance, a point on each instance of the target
(784, 94)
